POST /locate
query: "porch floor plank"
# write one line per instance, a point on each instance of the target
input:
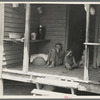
(94, 74)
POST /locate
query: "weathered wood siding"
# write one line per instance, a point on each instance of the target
(14, 20)
(35, 20)
(92, 35)
(98, 36)
(54, 19)
(99, 32)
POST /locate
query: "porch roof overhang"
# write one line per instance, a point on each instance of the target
(53, 1)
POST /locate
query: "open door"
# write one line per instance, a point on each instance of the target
(76, 34)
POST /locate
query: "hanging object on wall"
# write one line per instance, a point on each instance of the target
(41, 30)
(40, 10)
(86, 7)
(15, 5)
(92, 11)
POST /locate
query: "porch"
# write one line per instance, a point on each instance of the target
(75, 74)
(57, 74)
(56, 32)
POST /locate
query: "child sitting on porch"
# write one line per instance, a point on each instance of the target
(55, 56)
(81, 63)
(69, 60)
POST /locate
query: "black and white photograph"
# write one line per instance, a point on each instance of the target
(49, 49)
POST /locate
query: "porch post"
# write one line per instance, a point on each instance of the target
(67, 27)
(86, 76)
(26, 41)
(1, 45)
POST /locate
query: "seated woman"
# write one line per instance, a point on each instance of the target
(69, 60)
(55, 56)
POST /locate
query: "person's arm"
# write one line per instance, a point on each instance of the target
(74, 61)
(62, 54)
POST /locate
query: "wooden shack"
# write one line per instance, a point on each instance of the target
(72, 25)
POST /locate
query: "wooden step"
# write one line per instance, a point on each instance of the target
(58, 83)
(50, 93)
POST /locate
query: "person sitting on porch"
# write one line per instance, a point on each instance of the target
(81, 63)
(55, 56)
(69, 60)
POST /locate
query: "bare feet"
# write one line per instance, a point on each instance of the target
(51, 65)
(68, 66)
(47, 64)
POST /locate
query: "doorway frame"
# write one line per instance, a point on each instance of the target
(66, 43)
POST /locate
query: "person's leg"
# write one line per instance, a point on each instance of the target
(74, 66)
(51, 58)
(47, 64)
(48, 59)
(68, 66)
(51, 65)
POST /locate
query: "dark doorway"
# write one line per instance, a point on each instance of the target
(76, 33)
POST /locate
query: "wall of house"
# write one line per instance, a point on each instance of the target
(54, 20)
(92, 34)
(14, 22)
(34, 23)
(98, 36)
(35, 18)
(76, 36)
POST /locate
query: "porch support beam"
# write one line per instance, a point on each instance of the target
(1, 45)
(67, 27)
(26, 41)
(86, 75)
